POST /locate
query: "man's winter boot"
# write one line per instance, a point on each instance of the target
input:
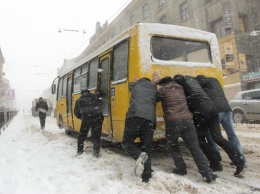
(240, 171)
(80, 148)
(146, 176)
(96, 150)
(211, 177)
(139, 165)
(96, 154)
(216, 167)
(180, 171)
(79, 152)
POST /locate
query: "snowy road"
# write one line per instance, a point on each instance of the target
(34, 161)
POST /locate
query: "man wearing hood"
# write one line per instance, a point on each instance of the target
(178, 123)
(88, 109)
(205, 117)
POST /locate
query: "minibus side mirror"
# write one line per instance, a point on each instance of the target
(53, 88)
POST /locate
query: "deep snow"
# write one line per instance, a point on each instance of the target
(43, 162)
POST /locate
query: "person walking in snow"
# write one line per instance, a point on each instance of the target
(215, 91)
(42, 107)
(88, 109)
(141, 122)
(178, 123)
(205, 117)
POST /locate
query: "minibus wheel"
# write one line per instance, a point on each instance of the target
(60, 122)
(68, 132)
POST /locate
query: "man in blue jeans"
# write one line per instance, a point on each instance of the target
(206, 118)
(214, 90)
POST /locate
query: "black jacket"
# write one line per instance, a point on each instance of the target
(144, 96)
(42, 107)
(214, 90)
(198, 100)
(88, 105)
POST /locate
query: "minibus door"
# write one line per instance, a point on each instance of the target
(69, 102)
(104, 86)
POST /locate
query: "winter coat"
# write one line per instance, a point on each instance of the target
(214, 90)
(198, 100)
(174, 102)
(42, 107)
(144, 96)
(87, 106)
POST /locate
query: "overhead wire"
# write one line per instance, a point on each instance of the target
(81, 11)
(119, 9)
(95, 5)
(129, 2)
(107, 20)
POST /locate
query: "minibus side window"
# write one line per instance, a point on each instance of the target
(60, 88)
(120, 61)
(83, 77)
(76, 83)
(64, 85)
(93, 69)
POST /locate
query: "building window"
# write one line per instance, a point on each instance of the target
(163, 20)
(242, 24)
(145, 11)
(132, 20)
(251, 67)
(161, 2)
(184, 11)
(223, 64)
(218, 28)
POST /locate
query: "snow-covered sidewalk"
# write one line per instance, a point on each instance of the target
(43, 162)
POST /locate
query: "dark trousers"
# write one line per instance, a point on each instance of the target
(210, 121)
(186, 130)
(95, 123)
(42, 117)
(144, 129)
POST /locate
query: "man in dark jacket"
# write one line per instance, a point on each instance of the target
(140, 122)
(205, 117)
(88, 109)
(178, 123)
(42, 107)
(214, 90)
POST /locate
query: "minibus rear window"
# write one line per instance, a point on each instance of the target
(172, 49)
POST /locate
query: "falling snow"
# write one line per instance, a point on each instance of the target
(44, 162)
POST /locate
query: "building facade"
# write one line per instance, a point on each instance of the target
(2, 61)
(7, 94)
(235, 22)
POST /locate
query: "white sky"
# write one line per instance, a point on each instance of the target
(32, 47)
(43, 162)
